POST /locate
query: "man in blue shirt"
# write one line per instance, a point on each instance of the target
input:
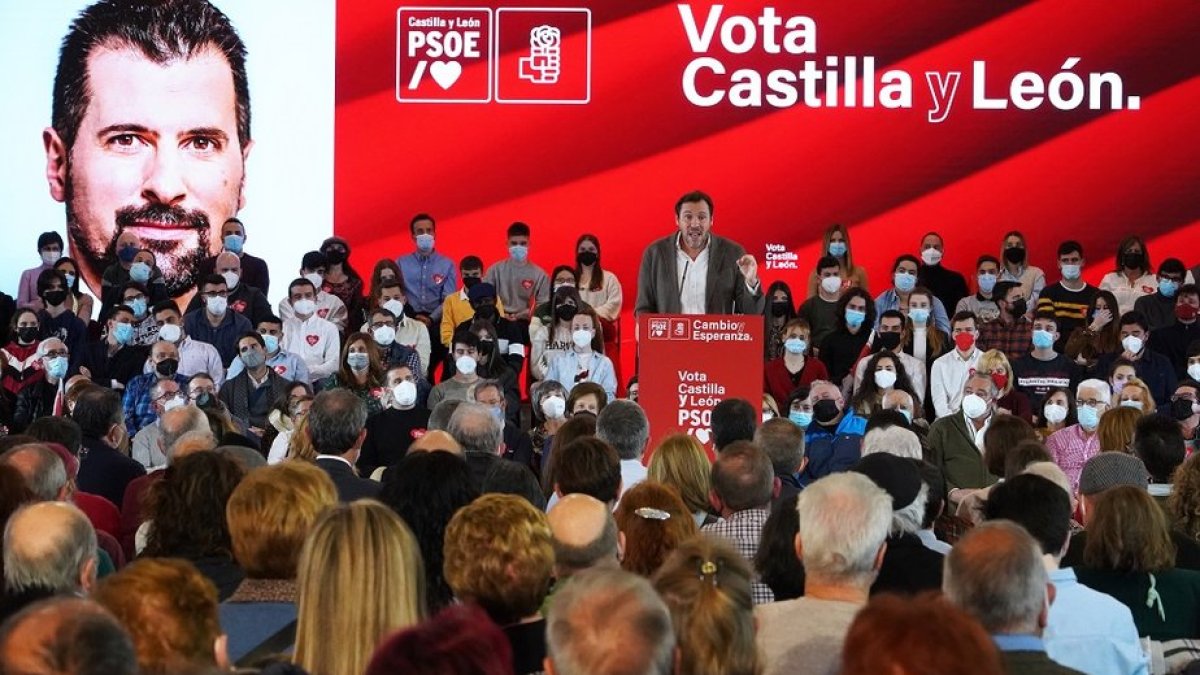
(833, 441)
(429, 278)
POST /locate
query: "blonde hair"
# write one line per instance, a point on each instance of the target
(768, 403)
(989, 361)
(706, 585)
(1184, 501)
(361, 577)
(1116, 429)
(1144, 395)
(299, 444)
(679, 461)
(499, 554)
(270, 514)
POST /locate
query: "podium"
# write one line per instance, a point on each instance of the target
(690, 363)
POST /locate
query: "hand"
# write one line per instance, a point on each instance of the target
(1103, 318)
(83, 370)
(749, 269)
(424, 318)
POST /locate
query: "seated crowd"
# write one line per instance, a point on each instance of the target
(409, 474)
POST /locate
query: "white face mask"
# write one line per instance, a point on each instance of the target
(581, 338)
(231, 279)
(1133, 344)
(1130, 403)
(395, 307)
(405, 393)
(974, 407)
(217, 305)
(50, 257)
(831, 284)
(931, 256)
(170, 332)
(1193, 371)
(172, 403)
(304, 307)
(315, 279)
(1054, 413)
(884, 379)
(465, 365)
(554, 407)
(384, 335)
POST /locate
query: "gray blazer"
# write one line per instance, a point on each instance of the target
(725, 291)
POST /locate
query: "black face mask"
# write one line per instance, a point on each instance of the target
(486, 347)
(27, 334)
(1181, 409)
(566, 312)
(167, 367)
(486, 312)
(587, 258)
(888, 341)
(1015, 256)
(1018, 307)
(825, 411)
(780, 307)
(469, 282)
(335, 256)
(1134, 260)
(55, 297)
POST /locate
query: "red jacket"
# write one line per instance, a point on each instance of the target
(777, 381)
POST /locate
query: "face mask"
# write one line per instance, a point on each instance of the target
(424, 243)
(780, 307)
(1193, 371)
(919, 316)
(1130, 403)
(1133, 344)
(217, 305)
(1185, 312)
(565, 284)
(1071, 272)
(70, 280)
(384, 335)
(884, 379)
(272, 343)
(831, 285)
(486, 312)
(27, 334)
(587, 258)
(231, 279)
(964, 341)
(987, 282)
(304, 307)
(800, 418)
(582, 338)
(315, 279)
(139, 308)
(1133, 260)
(50, 257)
(123, 333)
(405, 392)
(498, 415)
(358, 361)
(1017, 307)
(931, 256)
(465, 365)
(172, 403)
(395, 307)
(1015, 255)
(169, 332)
(554, 407)
(565, 312)
(203, 399)
(233, 243)
(253, 359)
(1054, 413)
(1000, 380)
(826, 410)
(1043, 339)
(974, 406)
(139, 272)
(335, 256)
(906, 412)
(904, 282)
(54, 298)
(1089, 417)
(888, 341)
(837, 249)
(855, 318)
(469, 282)
(57, 367)
(1181, 409)
(1168, 287)
(518, 253)
(127, 253)
(486, 346)
(795, 345)
(167, 367)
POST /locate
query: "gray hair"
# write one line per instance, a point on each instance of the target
(175, 424)
(570, 559)
(43, 470)
(844, 520)
(1101, 385)
(53, 559)
(335, 420)
(623, 425)
(995, 573)
(475, 429)
(894, 440)
(484, 383)
(909, 519)
(783, 442)
(609, 622)
(439, 417)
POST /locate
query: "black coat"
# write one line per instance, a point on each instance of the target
(105, 471)
(909, 567)
(349, 486)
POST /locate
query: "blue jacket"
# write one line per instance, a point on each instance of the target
(563, 369)
(832, 452)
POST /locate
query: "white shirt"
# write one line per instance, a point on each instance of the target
(691, 277)
(329, 307)
(950, 373)
(981, 431)
(279, 447)
(316, 341)
(200, 357)
(1127, 293)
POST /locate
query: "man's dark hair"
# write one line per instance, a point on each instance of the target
(412, 224)
(85, 638)
(892, 314)
(1188, 289)
(623, 425)
(464, 336)
(1172, 266)
(885, 419)
(518, 229)
(164, 306)
(47, 276)
(783, 442)
(46, 239)
(313, 260)
(987, 258)
(335, 420)
(1047, 315)
(62, 430)
(253, 335)
(1070, 246)
(471, 262)
(589, 466)
(96, 410)
(844, 301)
(694, 196)
(1158, 442)
(826, 262)
(163, 31)
(212, 280)
(905, 257)
(269, 318)
(742, 477)
(1036, 504)
(732, 420)
(296, 283)
(1135, 318)
(965, 315)
(1001, 289)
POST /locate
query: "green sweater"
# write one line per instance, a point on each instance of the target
(1179, 591)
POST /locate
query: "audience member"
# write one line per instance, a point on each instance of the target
(478, 431)
(585, 535)
(459, 640)
(743, 484)
(623, 425)
(336, 426)
(67, 635)
(679, 461)
(653, 520)
(49, 549)
(783, 442)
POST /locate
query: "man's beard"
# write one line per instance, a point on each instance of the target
(180, 268)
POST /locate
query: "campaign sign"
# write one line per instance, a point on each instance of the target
(443, 55)
(543, 55)
(689, 364)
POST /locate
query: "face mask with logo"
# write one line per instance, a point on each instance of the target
(831, 285)
(170, 332)
(931, 256)
(358, 361)
(304, 307)
(253, 358)
(167, 367)
(587, 258)
(123, 333)
(1043, 339)
(231, 279)
(855, 318)
(795, 345)
(216, 305)
(57, 367)
(405, 393)
(884, 379)
(973, 406)
(1168, 287)
(466, 365)
(837, 249)
(919, 316)
(1071, 272)
(1133, 344)
(904, 281)
(233, 243)
(801, 418)
(1089, 417)
(518, 253)
(554, 407)
(424, 243)
(271, 343)
(986, 282)
(582, 339)
(1054, 413)
(384, 335)
(139, 272)
(395, 307)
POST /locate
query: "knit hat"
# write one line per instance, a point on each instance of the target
(480, 291)
(1111, 469)
(899, 477)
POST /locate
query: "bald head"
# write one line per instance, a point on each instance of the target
(227, 262)
(49, 545)
(996, 574)
(191, 442)
(585, 534)
(44, 471)
(434, 440)
(66, 636)
(174, 424)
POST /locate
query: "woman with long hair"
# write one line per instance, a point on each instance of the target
(679, 461)
(360, 578)
(19, 360)
(836, 242)
(842, 348)
(340, 277)
(1116, 429)
(884, 374)
(77, 301)
(361, 371)
(598, 287)
(1132, 275)
(1016, 267)
(778, 311)
(550, 330)
(1057, 413)
(1100, 336)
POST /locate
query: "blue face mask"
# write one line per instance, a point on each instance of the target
(1168, 287)
(123, 333)
(139, 307)
(906, 413)
(358, 361)
(904, 282)
(800, 418)
(795, 345)
(1043, 339)
(233, 243)
(57, 367)
(272, 343)
(127, 254)
(70, 280)
(855, 318)
(1089, 417)
(837, 249)
(987, 282)
(498, 414)
(518, 253)
(424, 243)
(139, 272)
(919, 316)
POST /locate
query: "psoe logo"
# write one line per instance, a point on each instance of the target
(543, 55)
(444, 55)
(659, 329)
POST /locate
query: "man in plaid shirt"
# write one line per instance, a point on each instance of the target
(139, 408)
(743, 484)
(1011, 332)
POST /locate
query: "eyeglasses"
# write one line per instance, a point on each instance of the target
(1091, 402)
(56, 353)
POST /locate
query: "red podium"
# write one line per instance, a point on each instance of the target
(687, 364)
